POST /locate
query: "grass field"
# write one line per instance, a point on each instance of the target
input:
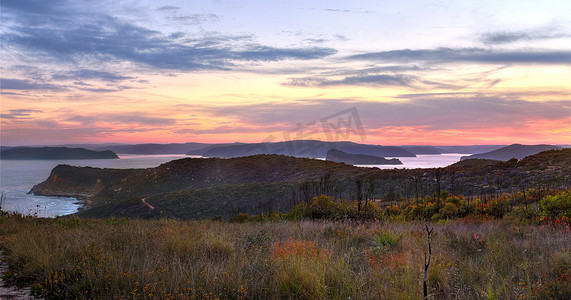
(167, 259)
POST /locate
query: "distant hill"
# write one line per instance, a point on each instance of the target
(305, 148)
(471, 149)
(359, 159)
(174, 148)
(47, 153)
(201, 151)
(517, 151)
(422, 149)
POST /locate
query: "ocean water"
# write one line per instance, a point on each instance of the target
(423, 161)
(17, 177)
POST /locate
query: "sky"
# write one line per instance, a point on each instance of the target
(376, 72)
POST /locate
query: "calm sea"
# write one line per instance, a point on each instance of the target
(17, 177)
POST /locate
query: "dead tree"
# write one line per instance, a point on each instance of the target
(359, 186)
(427, 263)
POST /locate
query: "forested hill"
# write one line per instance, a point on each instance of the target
(201, 188)
(517, 151)
(47, 153)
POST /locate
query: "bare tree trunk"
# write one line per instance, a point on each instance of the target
(427, 263)
(359, 184)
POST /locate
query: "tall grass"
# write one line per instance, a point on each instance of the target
(166, 259)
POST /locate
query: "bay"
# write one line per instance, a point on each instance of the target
(422, 161)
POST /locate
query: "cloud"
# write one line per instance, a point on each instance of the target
(87, 74)
(468, 55)
(89, 38)
(368, 80)
(444, 111)
(168, 8)
(55, 7)
(507, 37)
(20, 114)
(338, 10)
(123, 118)
(410, 76)
(26, 85)
(195, 19)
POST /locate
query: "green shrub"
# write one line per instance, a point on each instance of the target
(497, 208)
(449, 211)
(430, 210)
(557, 206)
(385, 241)
(323, 207)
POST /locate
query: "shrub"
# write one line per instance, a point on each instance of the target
(385, 241)
(323, 207)
(449, 211)
(240, 218)
(557, 206)
(393, 210)
(456, 200)
(371, 211)
(497, 208)
(530, 214)
(467, 209)
(430, 210)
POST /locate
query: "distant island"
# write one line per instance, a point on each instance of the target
(516, 151)
(359, 159)
(304, 148)
(49, 153)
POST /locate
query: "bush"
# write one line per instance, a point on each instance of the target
(498, 208)
(449, 211)
(323, 207)
(240, 218)
(371, 211)
(393, 210)
(385, 241)
(530, 215)
(430, 210)
(558, 206)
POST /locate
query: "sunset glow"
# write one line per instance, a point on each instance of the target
(438, 73)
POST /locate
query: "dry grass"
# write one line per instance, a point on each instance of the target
(166, 259)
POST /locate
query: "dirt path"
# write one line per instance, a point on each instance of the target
(147, 204)
(11, 292)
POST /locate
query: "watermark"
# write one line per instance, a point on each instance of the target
(300, 140)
